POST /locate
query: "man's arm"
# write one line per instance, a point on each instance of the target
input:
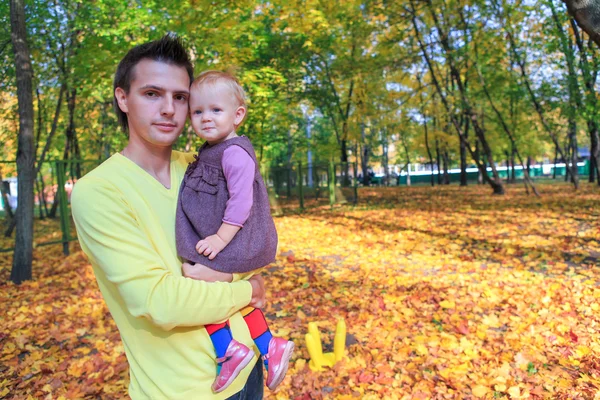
(202, 272)
(111, 236)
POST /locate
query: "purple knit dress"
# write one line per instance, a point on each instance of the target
(201, 206)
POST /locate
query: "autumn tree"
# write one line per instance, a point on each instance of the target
(21, 268)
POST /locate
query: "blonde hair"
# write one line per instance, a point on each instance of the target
(212, 77)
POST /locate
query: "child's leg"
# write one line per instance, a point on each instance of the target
(220, 335)
(232, 356)
(259, 330)
(276, 352)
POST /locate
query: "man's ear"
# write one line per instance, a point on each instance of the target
(121, 97)
(240, 113)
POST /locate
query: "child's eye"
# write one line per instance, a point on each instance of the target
(197, 112)
(217, 110)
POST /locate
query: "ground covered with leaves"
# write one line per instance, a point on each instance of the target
(447, 293)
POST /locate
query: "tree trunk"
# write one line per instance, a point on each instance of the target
(344, 159)
(463, 156)
(44, 202)
(587, 15)
(365, 152)
(104, 149)
(513, 175)
(408, 183)
(290, 150)
(507, 166)
(438, 160)
(384, 159)
(10, 228)
(427, 147)
(23, 255)
(53, 210)
(479, 173)
(555, 161)
(76, 163)
(574, 151)
(40, 118)
(75, 169)
(67, 152)
(446, 162)
(593, 131)
(53, 129)
(567, 158)
(487, 152)
(317, 178)
(39, 196)
(424, 114)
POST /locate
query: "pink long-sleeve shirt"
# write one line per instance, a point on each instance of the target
(239, 169)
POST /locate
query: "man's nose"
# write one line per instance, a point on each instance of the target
(168, 106)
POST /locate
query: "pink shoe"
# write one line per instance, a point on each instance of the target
(236, 358)
(280, 352)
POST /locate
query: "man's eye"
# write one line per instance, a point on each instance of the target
(151, 94)
(180, 98)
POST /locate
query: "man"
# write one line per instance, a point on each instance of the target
(124, 211)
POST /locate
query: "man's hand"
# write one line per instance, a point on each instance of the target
(203, 273)
(258, 292)
(211, 246)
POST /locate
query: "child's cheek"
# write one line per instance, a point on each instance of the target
(195, 123)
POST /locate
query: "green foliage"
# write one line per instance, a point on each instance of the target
(354, 68)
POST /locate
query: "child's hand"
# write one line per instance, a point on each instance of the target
(211, 246)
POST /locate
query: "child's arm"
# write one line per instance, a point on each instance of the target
(239, 170)
(213, 244)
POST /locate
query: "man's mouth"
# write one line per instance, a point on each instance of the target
(165, 126)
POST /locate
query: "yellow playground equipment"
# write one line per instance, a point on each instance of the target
(318, 360)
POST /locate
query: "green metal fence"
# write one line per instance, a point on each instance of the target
(59, 176)
(536, 171)
(314, 184)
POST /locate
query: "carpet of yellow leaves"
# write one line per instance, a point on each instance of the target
(447, 293)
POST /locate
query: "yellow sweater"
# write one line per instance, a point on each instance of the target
(126, 225)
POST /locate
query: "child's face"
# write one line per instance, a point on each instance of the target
(215, 112)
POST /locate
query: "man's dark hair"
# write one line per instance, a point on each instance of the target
(167, 49)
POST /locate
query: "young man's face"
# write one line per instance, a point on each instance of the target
(157, 102)
(215, 113)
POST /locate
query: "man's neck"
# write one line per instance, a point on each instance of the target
(155, 160)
